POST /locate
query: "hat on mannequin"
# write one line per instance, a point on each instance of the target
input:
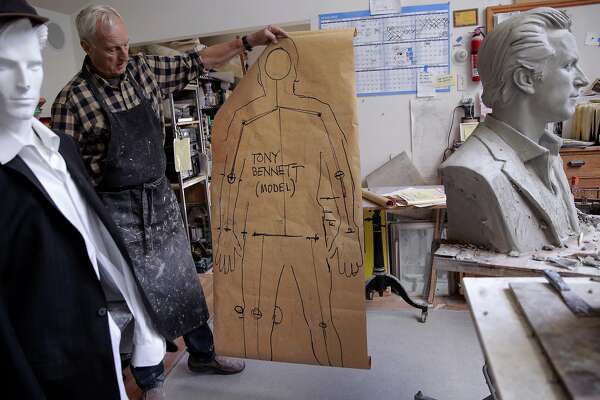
(20, 9)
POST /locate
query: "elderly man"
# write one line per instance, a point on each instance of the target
(506, 186)
(64, 270)
(112, 109)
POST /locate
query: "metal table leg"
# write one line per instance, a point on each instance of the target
(380, 281)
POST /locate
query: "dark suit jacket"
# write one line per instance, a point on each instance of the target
(54, 334)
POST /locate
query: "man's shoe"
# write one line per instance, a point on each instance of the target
(218, 365)
(156, 393)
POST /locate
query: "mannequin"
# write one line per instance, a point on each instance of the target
(63, 267)
(506, 187)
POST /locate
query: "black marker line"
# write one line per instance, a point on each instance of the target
(275, 235)
(242, 283)
(275, 305)
(312, 341)
(335, 330)
(323, 328)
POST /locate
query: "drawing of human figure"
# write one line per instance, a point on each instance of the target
(286, 210)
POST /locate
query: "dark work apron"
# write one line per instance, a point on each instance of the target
(140, 199)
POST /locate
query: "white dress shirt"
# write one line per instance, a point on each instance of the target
(39, 151)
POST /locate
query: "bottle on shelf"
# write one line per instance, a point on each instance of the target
(211, 99)
(201, 97)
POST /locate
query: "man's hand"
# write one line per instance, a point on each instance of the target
(265, 36)
(218, 54)
(228, 249)
(345, 252)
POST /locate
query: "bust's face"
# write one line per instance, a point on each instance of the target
(21, 74)
(556, 94)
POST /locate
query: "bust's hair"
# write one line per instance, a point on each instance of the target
(87, 20)
(22, 25)
(519, 42)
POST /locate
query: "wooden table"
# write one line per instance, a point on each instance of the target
(465, 259)
(518, 366)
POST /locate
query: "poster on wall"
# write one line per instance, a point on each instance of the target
(391, 49)
(286, 208)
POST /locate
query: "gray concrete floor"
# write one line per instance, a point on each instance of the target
(441, 357)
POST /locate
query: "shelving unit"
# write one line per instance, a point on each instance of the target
(193, 187)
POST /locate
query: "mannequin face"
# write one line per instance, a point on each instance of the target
(109, 52)
(21, 73)
(556, 94)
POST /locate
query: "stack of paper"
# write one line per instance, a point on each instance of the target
(418, 196)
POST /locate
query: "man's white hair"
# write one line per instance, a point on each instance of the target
(22, 25)
(520, 42)
(87, 20)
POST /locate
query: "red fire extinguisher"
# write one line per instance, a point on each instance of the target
(475, 44)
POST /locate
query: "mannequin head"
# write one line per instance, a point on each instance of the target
(531, 59)
(105, 39)
(21, 71)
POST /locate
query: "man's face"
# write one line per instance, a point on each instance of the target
(109, 52)
(21, 74)
(556, 94)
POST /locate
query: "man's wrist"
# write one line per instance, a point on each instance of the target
(246, 44)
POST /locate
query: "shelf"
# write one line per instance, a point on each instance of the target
(195, 122)
(190, 182)
(209, 107)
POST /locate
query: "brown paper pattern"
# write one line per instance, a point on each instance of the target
(286, 208)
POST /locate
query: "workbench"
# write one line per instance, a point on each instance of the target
(471, 260)
(518, 366)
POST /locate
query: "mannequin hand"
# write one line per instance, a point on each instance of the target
(268, 35)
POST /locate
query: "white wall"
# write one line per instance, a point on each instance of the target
(384, 120)
(59, 65)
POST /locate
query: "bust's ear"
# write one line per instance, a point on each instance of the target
(523, 78)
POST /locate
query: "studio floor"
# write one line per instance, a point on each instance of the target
(442, 358)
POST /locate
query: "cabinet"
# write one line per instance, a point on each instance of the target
(585, 165)
(189, 115)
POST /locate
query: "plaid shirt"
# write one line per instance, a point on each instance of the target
(77, 113)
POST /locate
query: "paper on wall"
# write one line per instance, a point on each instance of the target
(429, 124)
(499, 18)
(444, 80)
(592, 39)
(384, 6)
(425, 84)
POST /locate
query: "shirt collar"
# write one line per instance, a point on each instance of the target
(87, 64)
(535, 154)
(12, 143)
(49, 139)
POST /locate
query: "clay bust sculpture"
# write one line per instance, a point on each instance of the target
(506, 187)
